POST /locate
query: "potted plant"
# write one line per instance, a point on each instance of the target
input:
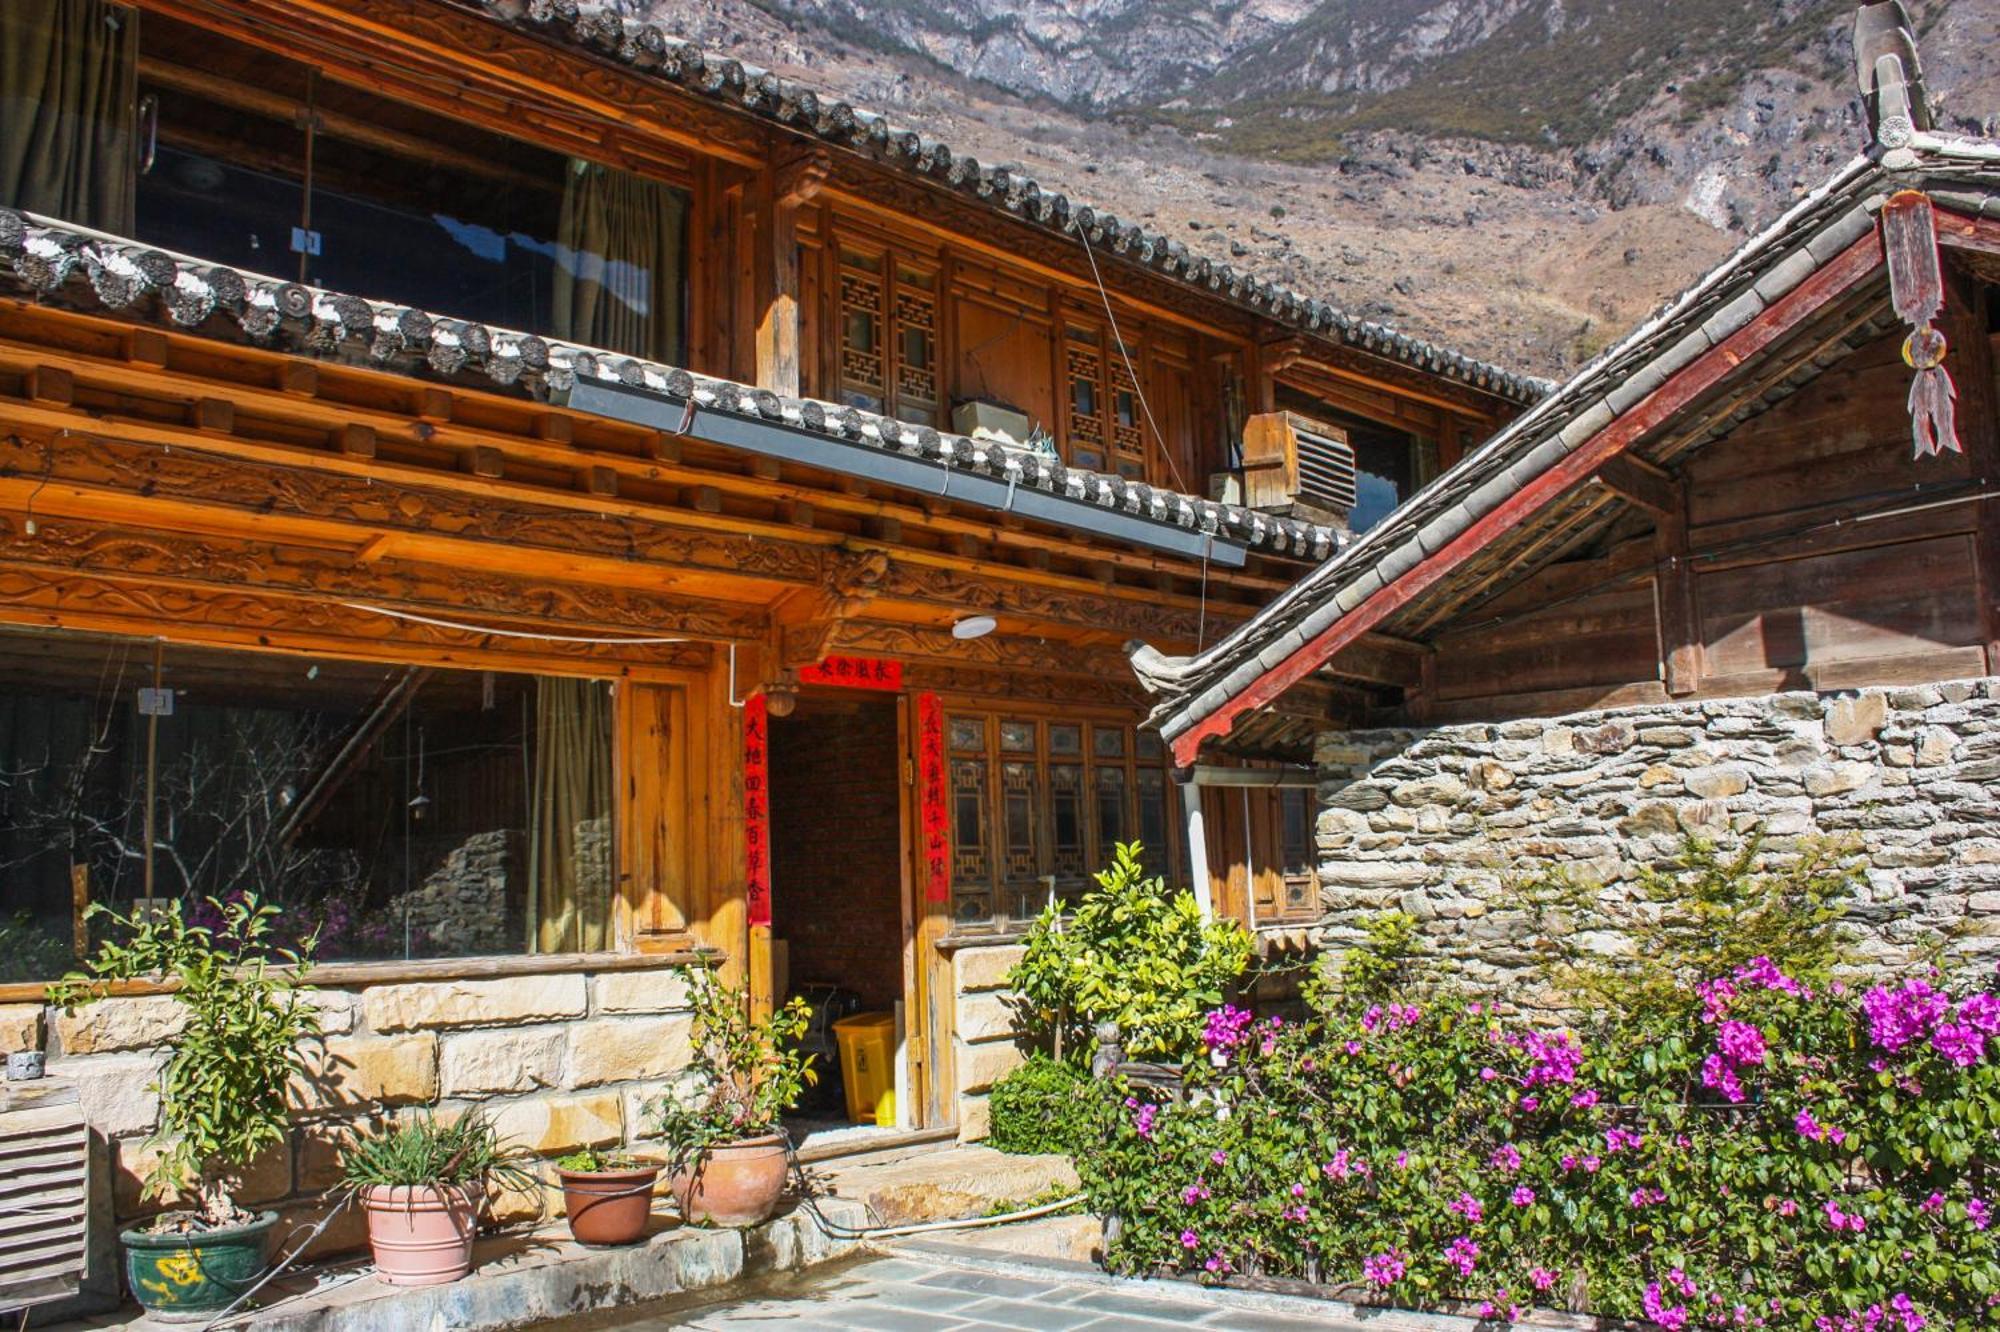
(222, 1089)
(726, 1151)
(607, 1196)
(421, 1182)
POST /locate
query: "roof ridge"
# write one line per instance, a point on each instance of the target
(649, 47)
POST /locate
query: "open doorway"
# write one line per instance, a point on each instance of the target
(837, 890)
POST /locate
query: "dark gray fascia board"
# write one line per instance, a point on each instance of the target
(659, 411)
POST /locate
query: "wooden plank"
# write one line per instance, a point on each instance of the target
(1682, 654)
(1639, 482)
(1856, 264)
(1966, 318)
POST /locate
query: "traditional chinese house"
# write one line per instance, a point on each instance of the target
(544, 502)
(1739, 574)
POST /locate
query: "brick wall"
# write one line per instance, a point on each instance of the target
(836, 853)
(560, 1061)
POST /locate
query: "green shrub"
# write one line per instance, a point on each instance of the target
(223, 1089)
(1134, 952)
(1726, 1143)
(1047, 1106)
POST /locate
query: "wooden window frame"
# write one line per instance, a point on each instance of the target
(1011, 909)
(901, 302)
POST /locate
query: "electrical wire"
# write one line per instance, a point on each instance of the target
(462, 627)
(1138, 392)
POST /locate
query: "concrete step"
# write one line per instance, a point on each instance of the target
(950, 1185)
(1068, 1238)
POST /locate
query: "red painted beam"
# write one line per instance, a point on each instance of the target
(1850, 268)
(1968, 233)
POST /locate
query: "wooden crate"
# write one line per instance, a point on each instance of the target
(44, 1192)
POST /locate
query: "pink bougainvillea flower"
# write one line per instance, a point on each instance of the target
(1583, 1100)
(1543, 1277)
(1523, 1196)
(1618, 1140)
(1468, 1207)
(1960, 1042)
(1195, 1192)
(1934, 1203)
(1836, 1219)
(1190, 1240)
(1383, 1270)
(1463, 1254)
(1982, 1012)
(1505, 1157)
(1673, 1317)
(1741, 1043)
(1977, 1212)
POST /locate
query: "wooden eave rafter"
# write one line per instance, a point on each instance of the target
(1857, 264)
(1286, 357)
(490, 443)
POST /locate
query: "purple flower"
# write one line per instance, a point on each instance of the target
(1195, 1192)
(1556, 1059)
(1463, 1254)
(1190, 1240)
(1530, 1104)
(1543, 1277)
(1226, 1027)
(1672, 1317)
(1583, 1100)
(1741, 1043)
(1523, 1196)
(1960, 1042)
(1839, 1220)
(1718, 1075)
(1904, 1014)
(1143, 1116)
(1981, 1011)
(1932, 1204)
(1468, 1207)
(1505, 1157)
(1905, 1308)
(1618, 1139)
(1383, 1270)
(1978, 1214)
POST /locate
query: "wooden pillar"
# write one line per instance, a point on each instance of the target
(776, 197)
(1970, 360)
(1675, 610)
(1197, 843)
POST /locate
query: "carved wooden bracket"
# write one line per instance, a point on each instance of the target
(800, 180)
(806, 626)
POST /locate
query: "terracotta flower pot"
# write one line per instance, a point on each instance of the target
(608, 1206)
(421, 1236)
(734, 1184)
(191, 1276)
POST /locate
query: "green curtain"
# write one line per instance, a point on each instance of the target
(569, 879)
(68, 95)
(619, 260)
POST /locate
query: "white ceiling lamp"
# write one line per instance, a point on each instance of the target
(968, 627)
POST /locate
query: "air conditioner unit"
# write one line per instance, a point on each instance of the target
(44, 1192)
(1299, 467)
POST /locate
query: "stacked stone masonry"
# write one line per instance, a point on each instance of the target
(986, 1048)
(559, 1061)
(1439, 821)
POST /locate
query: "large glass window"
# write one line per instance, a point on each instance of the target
(402, 812)
(202, 145)
(1058, 795)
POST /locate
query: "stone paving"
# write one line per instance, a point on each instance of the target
(904, 1294)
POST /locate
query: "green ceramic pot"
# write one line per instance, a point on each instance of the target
(195, 1276)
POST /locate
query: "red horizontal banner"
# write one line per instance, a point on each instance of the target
(855, 673)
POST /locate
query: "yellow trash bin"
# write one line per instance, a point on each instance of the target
(868, 1066)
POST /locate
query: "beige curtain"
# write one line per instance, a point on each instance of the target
(68, 89)
(618, 262)
(569, 878)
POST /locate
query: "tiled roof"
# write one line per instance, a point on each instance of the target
(58, 261)
(747, 89)
(1962, 174)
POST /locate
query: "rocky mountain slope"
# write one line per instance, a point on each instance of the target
(1520, 178)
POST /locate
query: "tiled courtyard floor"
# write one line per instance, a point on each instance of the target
(912, 1294)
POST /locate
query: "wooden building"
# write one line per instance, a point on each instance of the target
(1739, 573)
(493, 477)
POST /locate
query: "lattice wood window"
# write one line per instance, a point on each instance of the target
(1106, 430)
(1058, 795)
(888, 323)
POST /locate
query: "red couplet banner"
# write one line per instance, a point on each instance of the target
(757, 809)
(855, 673)
(932, 806)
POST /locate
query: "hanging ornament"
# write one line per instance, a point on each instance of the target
(1916, 289)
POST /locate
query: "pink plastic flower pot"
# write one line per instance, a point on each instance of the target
(421, 1236)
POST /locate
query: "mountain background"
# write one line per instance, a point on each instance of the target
(1520, 179)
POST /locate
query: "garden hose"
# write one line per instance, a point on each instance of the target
(279, 1267)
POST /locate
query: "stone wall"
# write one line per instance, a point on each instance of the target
(1437, 820)
(984, 1049)
(560, 1061)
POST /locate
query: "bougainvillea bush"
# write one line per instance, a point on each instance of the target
(1785, 1152)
